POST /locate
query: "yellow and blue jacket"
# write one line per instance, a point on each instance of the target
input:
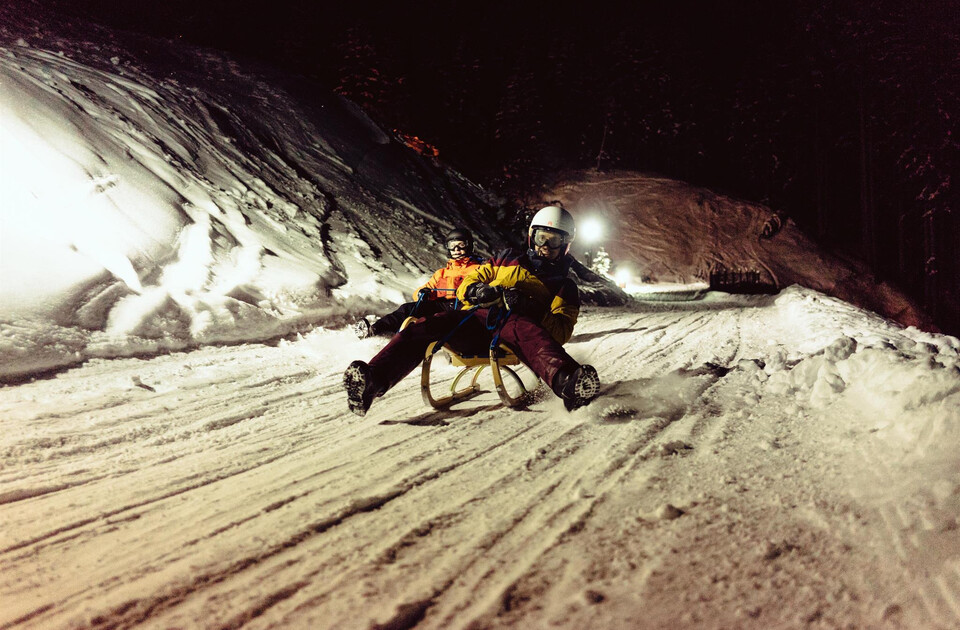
(553, 297)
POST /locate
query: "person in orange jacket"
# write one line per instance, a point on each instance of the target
(439, 294)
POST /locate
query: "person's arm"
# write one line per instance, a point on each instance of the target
(482, 273)
(564, 310)
(430, 284)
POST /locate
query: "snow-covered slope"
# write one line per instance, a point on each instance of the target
(156, 197)
(160, 197)
(669, 231)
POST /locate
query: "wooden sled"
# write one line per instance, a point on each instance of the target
(500, 360)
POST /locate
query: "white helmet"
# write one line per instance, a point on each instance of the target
(553, 218)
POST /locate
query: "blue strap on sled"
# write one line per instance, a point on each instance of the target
(416, 307)
(439, 345)
(500, 358)
(423, 296)
(502, 314)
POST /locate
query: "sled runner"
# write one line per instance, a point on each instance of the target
(500, 360)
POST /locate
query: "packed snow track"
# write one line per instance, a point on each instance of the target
(733, 473)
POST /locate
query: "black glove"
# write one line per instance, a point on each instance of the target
(515, 300)
(479, 293)
(424, 293)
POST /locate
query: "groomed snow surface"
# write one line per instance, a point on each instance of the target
(762, 462)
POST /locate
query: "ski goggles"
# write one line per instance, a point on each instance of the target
(457, 245)
(548, 237)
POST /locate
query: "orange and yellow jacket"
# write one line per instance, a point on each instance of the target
(553, 298)
(450, 277)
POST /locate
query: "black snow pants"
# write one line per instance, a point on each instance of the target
(390, 323)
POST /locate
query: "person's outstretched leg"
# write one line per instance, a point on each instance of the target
(576, 384)
(366, 381)
(390, 323)
(535, 347)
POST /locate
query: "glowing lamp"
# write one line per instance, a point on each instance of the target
(590, 230)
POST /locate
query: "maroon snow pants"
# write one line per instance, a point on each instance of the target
(529, 340)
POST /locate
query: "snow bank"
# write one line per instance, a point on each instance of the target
(848, 357)
(124, 222)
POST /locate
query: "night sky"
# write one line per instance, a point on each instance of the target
(840, 115)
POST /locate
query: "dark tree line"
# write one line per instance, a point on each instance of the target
(842, 115)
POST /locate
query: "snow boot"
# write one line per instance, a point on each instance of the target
(361, 391)
(577, 387)
(363, 328)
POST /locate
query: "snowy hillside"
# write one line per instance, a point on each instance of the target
(669, 231)
(757, 462)
(160, 197)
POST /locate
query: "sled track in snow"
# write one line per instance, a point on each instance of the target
(663, 336)
(559, 501)
(274, 507)
(935, 580)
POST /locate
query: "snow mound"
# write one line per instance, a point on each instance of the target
(906, 374)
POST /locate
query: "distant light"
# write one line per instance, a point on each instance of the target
(623, 276)
(591, 230)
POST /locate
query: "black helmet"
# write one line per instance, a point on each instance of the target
(459, 234)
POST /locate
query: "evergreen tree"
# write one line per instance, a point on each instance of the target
(601, 262)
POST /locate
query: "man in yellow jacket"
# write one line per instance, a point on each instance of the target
(439, 294)
(540, 309)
